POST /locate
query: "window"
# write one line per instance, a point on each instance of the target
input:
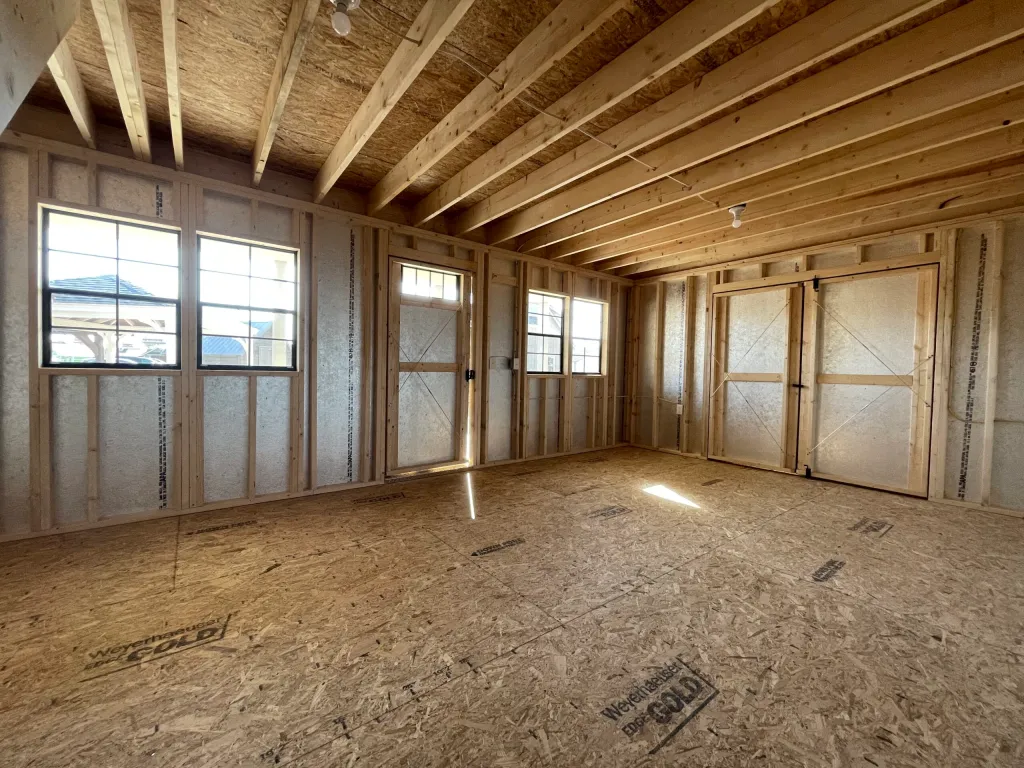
(110, 293)
(429, 283)
(544, 333)
(247, 297)
(587, 336)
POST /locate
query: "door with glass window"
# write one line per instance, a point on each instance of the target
(429, 350)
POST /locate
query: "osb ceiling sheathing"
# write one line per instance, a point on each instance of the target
(227, 50)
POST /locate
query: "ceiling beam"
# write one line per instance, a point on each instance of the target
(169, 21)
(952, 37)
(119, 45)
(961, 84)
(561, 31)
(836, 27)
(948, 140)
(851, 222)
(434, 23)
(69, 83)
(688, 32)
(31, 33)
(297, 32)
(826, 204)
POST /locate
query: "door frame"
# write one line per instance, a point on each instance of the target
(797, 417)
(921, 385)
(464, 353)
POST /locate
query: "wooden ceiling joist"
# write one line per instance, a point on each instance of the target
(429, 29)
(297, 31)
(688, 32)
(993, 200)
(561, 31)
(952, 182)
(947, 138)
(119, 46)
(836, 27)
(973, 80)
(65, 74)
(952, 37)
(169, 22)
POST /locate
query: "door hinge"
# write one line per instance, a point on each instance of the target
(797, 385)
(807, 471)
(470, 375)
(816, 283)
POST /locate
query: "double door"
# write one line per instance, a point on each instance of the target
(831, 377)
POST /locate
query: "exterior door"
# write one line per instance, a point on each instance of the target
(755, 364)
(428, 363)
(869, 345)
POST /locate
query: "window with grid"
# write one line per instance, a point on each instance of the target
(110, 293)
(587, 336)
(544, 333)
(429, 283)
(247, 300)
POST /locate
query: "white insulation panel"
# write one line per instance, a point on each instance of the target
(339, 351)
(673, 367)
(647, 318)
(225, 437)
(500, 376)
(698, 427)
(14, 335)
(69, 447)
(136, 445)
(426, 414)
(273, 433)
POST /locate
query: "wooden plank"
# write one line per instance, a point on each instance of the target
(994, 290)
(381, 351)
(65, 74)
(809, 372)
(429, 367)
(562, 30)
(253, 381)
(297, 32)
(719, 343)
(393, 337)
(791, 393)
(482, 363)
(1005, 176)
(314, 354)
(900, 262)
(685, 34)
(542, 419)
(765, 378)
(689, 340)
(835, 28)
(436, 19)
(567, 387)
(31, 33)
(119, 46)
(92, 471)
(659, 364)
(521, 403)
(366, 261)
(785, 191)
(922, 390)
(477, 360)
(984, 75)
(429, 257)
(943, 350)
(866, 379)
(169, 21)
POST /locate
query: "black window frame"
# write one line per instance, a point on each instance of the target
(200, 304)
(600, 340)
(48, 292)
(560, 337)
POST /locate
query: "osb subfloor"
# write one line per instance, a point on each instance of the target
(575, 621)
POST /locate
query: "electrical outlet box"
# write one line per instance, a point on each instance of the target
(679, 409)
(515, 364)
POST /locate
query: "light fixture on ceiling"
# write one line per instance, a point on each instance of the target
(339, 19)
(737, 212)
